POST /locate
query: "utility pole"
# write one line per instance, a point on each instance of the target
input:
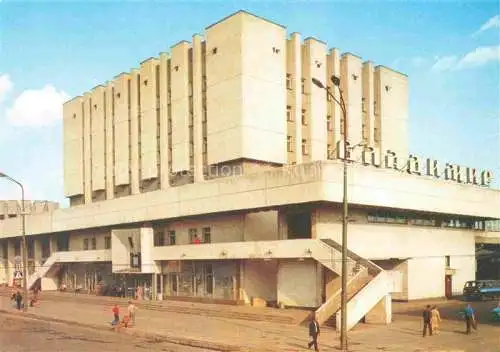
(345, 207)
(25, 248)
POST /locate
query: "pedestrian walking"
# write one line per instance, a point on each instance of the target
(19, 300)
(116, 316)
(313, 332)
(13, 300)
(470, 319)
(435, 320)
(427, 321)
(132, 309)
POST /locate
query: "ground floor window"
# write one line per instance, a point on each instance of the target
(216, 279)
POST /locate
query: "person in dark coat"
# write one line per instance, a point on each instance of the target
(19, 300)
(427, 321)
(313, 332)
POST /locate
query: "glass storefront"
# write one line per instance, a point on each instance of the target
(215, 279)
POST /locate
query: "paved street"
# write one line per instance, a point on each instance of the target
(19, 334)
(230, 334)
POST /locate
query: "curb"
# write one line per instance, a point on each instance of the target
(164, 338)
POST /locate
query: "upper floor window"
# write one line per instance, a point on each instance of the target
(171, 238)
(94, 243)
(329, 123)
(304, 147)
(107, 242)
(289, 144)
(304, 117)
(289, 81)
(85, 244)
(159, 238)
(329, 151)
(193, 236)
(289, 115)
(204, 83)
(205, 144)
(207, 236)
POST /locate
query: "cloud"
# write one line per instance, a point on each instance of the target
(37, 107)
(478, 57)
(5, 86)
(493, 22)
(444, 63)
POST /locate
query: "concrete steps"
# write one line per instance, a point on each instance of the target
(327, 314)
(288, 316)
(352, 289)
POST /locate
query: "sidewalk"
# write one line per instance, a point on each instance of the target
(224, 334)
(285, 316)
(187, 329)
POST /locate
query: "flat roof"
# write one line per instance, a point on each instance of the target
(391, 69)
(179, 43)
(148, 59)
(316, 39)
(246, 13)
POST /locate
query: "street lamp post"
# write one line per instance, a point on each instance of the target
(25, 251)
(343, 304)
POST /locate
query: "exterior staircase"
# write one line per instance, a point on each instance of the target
(57, 258)
(41, 271)
(367, 285)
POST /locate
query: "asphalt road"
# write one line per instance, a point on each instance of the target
(19, 334)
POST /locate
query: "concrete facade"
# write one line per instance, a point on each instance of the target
(212, 171)
(208, 103)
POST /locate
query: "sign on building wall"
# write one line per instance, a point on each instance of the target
(415, 165)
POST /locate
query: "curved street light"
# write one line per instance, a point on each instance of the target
(343, 305)
(25, 254)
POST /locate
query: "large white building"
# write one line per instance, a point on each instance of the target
(213, 171)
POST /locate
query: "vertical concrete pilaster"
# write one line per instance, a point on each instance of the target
(134, 132)
(37, 248)
(10, 261)
(197, 109)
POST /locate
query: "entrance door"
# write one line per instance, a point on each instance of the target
(448, 286)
